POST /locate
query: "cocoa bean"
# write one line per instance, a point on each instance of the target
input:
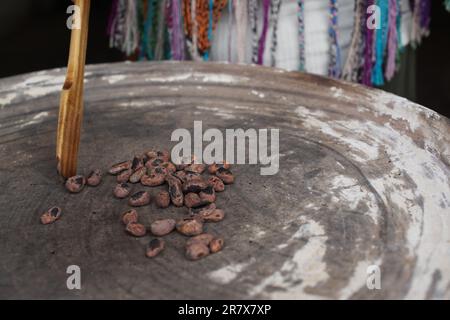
(119, 167)
(136, 229)
(175, 190)
(155, 247)
(153, 179)
(192, 200)
(216, 166)
(138, 174)
(130, 216)
(124, 176)
(196, 251)
(194, 185)
(136, 163)
(216, 216)
(197, 168)
(204, 238)
(162, 227)
(122, 190)
(225, 175)
(162, 199)
(75, 184)
(216, 183)
(139, 199)
(202, 211)
(216, 245)
(189, 226)
(208, 195)
(51, 215)
(94, 178)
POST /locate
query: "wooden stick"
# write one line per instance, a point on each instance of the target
(71, 103)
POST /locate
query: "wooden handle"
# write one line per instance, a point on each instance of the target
(71, 103)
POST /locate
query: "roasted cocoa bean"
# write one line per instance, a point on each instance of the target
(216, 216)
(162, 227)
(196, 251)
(192, 200)
(189, 226)
(130, 216)
(94, 178)
(225, 175)
(204, 238)
(119, 167)
(75, 184)
(208, 195)
(157, 154)
(124, 176)
(181, 175)
(51, 215)
(138, 174)
(136, 229)
(153, 163)
(136, 163)
(122, 190)
(216, 166)
(155, 247)
(175, 190)
(194, 185)
(216, 183)
(162, 199)
(196, 167)
(169, 166)
(153, 179)
(202, 211)
(139, 199)
(158, 170)
(216, 245)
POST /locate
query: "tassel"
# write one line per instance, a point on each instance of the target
(392, 40)
(301, 34)
(368, 51)
(380, 43)
(253, 13)
(176, 34)
(112, 18)
(241, 28)
(160, 29)
(262, 39)
(447, 4)
(146, 49)
(210, 28)
(355, 53)
(230, 27)
(274, 13)
(334, 66)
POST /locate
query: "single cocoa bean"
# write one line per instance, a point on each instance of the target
(122, 190)
(119, 167)
(130, 216)
(216, 245)
(51, 215)
(196, 251)
(155, 247)
(136, 163)
(158, 154)
(204, 238)
(138, 174)
(180, 175)
(196, 167)
(189, 226)
(203, 211)
(162, 227)
(162, 199)
(153, 163)
(216, 166)
(75, 184)
(216, 216)
(169, 166)
(192, 200)
(139, 199)
(175, 190)
(153, 179)
(225, 175)
(216, 183)
(194, 185)
(94, 178)
(208, 195)
(124, 176)
(136, 229)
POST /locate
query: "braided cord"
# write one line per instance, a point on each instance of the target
(274, 14)
(301, 34)
(334, 66)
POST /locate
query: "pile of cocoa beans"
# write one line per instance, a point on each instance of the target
(187, 186)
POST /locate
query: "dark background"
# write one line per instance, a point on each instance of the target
(33, 37)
